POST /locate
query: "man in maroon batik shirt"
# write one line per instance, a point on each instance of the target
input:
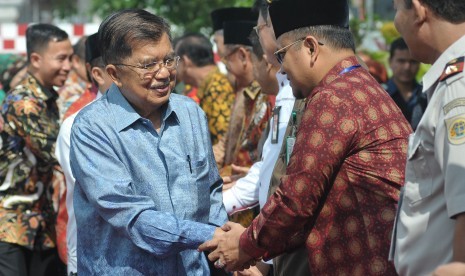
(342, 183)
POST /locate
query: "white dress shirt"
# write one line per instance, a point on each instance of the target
(62, 154)
(252, 189)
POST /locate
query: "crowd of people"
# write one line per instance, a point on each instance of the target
(283, 152)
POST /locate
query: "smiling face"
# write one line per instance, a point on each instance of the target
(146, 95)
(53, 63)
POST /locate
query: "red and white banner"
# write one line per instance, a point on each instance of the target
(13, 36)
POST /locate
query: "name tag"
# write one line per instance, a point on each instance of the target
(275, 126)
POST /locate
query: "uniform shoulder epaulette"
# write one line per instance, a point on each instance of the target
(453, 67)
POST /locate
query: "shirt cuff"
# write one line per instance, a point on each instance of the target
(231, 204)
(247, 244)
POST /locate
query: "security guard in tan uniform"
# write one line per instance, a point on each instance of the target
(430, 224)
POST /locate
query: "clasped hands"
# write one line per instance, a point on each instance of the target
(224, 248)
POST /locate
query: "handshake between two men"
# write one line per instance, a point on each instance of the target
(225, 250)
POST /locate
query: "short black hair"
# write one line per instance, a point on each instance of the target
(196, 47)
(39, 35)
(121, 30)
(450, 10)
(398, 44)
(256, 46)
(334, 36)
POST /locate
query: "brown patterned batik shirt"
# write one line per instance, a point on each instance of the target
(339, 194)
(27, 144)
(216, 97)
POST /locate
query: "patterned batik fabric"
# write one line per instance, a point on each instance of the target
(245, 151)
(26, 165)
(70, 92)
(216, 97)
(341, 187)
(87, 97)
(258, 108)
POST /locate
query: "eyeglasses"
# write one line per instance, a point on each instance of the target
(148, 71)
(225, 58)
(282, 52)
(259, 27)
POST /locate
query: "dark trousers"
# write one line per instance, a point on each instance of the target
(16, 260)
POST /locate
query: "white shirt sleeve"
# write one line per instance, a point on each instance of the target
(62, 154)
(244, 194)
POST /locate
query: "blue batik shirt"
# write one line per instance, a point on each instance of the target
(144, 201)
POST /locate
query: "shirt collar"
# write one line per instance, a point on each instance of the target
(335, 72)
(252, 90)
(44, 93)
(127, 115)
(282, 79)
(454, 51)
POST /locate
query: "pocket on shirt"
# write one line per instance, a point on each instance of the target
(419, 182)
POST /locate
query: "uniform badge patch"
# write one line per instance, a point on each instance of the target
(456, 129)
(453, 67)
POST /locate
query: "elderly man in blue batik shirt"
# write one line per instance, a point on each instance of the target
(148, 192)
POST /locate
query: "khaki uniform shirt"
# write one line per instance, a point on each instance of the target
(434, 179)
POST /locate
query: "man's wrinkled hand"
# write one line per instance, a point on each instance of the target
(228, 254)
(213, 243)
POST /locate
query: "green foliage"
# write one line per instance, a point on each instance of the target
(389, 32)
(186, 15)
(64, 8)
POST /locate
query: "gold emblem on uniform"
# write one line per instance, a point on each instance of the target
(456, 130)
(452, 67)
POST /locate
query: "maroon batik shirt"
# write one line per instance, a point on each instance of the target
(341, 187)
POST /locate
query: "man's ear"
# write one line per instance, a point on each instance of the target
(312, 47)
(420, 12)
(36, 60)
(97, 75)
(243, 54)
(187, 62)
(112, 71)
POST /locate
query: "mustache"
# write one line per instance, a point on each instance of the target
(163, 84)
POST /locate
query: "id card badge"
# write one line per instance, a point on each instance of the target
(275, 126)
(290, 142)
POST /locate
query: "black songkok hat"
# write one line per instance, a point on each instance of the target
(288, 15)
(238, 32)
(219, 16)
(92, 48)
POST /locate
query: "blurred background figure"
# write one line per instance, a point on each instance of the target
(12, 71)
(376, 68)
(402, 86)
(197, 68)
(77, 83)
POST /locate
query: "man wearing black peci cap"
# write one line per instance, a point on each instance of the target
(251, 110)
(219, 17)
(342, 182)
